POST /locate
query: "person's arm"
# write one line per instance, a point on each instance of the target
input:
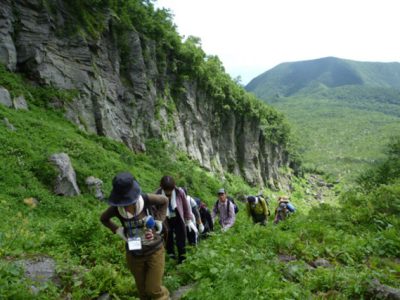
(161, 203)
(187, 211)
(214, 212)
(106, 216)
(209, 220)
(195, 210)
(264, 206)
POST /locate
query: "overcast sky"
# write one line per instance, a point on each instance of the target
(253, 36)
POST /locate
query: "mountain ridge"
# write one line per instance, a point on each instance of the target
(342, 111)
(289, 78)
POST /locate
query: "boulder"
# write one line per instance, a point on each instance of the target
(95, 184)
(66, 180)
(321, 262)
(19, 103)
(5, 97)
(381, 291)
(40, 270)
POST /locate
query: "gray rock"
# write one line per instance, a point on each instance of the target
(105, 296)
(66, 180)
(40, 270)
(9, 125)
(321, 262)
(95, 187)
(8, 53)
(5, 97)
(20, 103)
(381, 291)
(286, 258)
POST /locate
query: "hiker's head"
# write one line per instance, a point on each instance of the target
(126, 190)
(283, 198)
(167, 183)
(198, 201)
(251, 199)
(222, 195)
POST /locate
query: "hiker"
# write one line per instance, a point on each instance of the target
(257, 209)
(141, 217)
(205, 216)
(225, 208)
(283, 209)
(192, 235)
(179, 216)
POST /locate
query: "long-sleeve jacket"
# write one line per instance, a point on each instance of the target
(195, 210)
(257, 209)
(184, 210)
(156, 205)
(226, 218)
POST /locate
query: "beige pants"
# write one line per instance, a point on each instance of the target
(148, 272)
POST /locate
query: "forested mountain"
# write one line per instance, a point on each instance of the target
(293, 78)
(343, 111)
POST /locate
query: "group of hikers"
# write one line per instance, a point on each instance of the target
(166, 219)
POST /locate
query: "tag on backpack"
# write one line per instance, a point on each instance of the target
(134, 243)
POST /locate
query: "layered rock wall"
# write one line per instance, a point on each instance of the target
(131, 106)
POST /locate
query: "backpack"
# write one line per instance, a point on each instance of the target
(230, 200)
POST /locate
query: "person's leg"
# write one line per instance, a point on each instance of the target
(180, 238)
(191, 236)
(170, 247)
(155, 271)
(137, 266)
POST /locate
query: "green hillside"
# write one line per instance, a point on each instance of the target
(247, 262)
(343, 112)
(344, 245)
(288, 79)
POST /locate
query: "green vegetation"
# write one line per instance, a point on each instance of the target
(358, 236)
(339, 138)
(68, 229)
(341, 124)
(359, 239)
(289, 79)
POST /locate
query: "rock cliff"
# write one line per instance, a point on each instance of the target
(133, 105)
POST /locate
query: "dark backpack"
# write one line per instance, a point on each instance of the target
(230, 200)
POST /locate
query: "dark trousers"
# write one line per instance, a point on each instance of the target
(260, 219)
(192, 237)
(176, 236)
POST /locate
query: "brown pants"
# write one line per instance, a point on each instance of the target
(148, 272)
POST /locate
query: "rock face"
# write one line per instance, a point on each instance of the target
(138, 106)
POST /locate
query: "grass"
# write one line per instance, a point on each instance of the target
(359, 238)
(68, 228)
(337, 138)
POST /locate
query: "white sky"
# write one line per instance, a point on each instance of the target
(253, 36)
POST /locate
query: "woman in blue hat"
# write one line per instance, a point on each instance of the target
(141, 216)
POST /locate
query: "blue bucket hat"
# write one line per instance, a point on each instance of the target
(251, 199)
(126, 190)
